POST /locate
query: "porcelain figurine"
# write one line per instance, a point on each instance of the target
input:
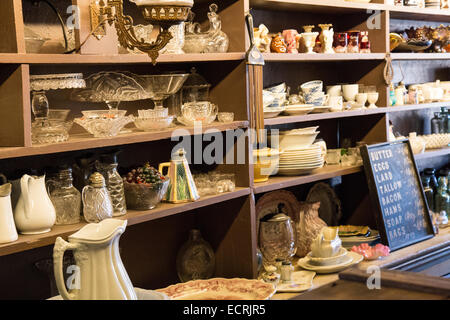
(8, 232)
(307, 225)
(262, 38)
(277, 44)
(290, 38)
(327, 243)
(326, 38)
(101, 275)
(34, 212)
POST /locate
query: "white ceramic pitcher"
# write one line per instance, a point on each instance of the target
(102, 275)
(327, 244)
(8, 232)
(34, 212)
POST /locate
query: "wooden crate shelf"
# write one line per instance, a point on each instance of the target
(86, 141)
(419, 56)
(327, 172)
(28, 242)
(37, 58)
(433, 153)
(299, 57)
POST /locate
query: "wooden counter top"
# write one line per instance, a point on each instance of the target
(441, 240)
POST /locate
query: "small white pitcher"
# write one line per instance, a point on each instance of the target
(327, 243)
(8, 232)
(34, 212)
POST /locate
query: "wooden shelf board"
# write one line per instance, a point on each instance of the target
(419, 56)
(327, 172)
(86, 141)
(298, 57)
(411, 13)
(412, 107)
(351, 113)
(322, 116)
(322, 6)
(433, 153)
(28, 242)
(37, 58)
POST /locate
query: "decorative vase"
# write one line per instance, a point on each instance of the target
(308, 226)
(196, 259)
(326, 38)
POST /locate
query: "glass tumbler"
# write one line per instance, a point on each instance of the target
(340, 42)
(353, 42)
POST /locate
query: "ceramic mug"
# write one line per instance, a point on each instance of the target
(334, 91)
(312, 86)
(290, 37)
(336, 101)
(350, 91)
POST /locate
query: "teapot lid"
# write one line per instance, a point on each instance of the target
(280, 217)
(195, 80)
(100, 231)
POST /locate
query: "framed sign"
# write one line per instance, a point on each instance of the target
(402, 216)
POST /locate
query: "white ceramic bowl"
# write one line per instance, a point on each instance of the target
(277, 88)
(272, 112)
(296, 140)
(339, 258)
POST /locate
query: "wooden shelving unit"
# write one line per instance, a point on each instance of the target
(227, 220)
(27, 242)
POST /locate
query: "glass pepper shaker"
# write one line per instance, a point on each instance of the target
(97, 204)
(107, 166)
(65, 197)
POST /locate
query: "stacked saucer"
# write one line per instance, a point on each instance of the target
(336, 263)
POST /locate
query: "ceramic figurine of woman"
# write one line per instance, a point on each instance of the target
(326, 38)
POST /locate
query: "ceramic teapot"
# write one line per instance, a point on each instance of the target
(327, 243)
(101, 275)
(8, 232)
(34, 212)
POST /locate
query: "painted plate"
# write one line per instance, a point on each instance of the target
(220, 289)
(330, 206)
(353, 258)
(301, 281)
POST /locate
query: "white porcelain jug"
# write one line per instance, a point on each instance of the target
(100, 273)
(327, 243)
(8, 232)
(34, 212)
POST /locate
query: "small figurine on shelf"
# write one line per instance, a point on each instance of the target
(326, 38)
(353, 42)
(262, 38)
(277, 44)
(290, 38)
(309, 38)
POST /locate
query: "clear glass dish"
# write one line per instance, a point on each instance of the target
(104, 127)
(57, 81)
(150, 124)
(103, 114)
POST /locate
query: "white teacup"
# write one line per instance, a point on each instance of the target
(336, 101)
(350, 91)
(334, 91)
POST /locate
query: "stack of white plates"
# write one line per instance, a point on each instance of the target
(349, 242)
(298, 109)
(301, 161)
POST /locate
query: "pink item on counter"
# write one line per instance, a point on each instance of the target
(371, 253)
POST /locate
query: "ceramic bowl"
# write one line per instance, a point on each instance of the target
(317, 99)
(267, 98)
(340, 257)
(150, 124)
(312, 86)
(265, 163)
(277, 88)
(279, 99)
(292, 110)
(303, 130)
(272, 112)
(296, 140)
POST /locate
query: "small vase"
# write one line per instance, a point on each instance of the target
(196, 259)
(308, 226)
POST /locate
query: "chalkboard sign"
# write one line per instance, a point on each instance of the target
(403, 217)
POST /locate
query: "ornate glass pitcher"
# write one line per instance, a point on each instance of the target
(101, 274)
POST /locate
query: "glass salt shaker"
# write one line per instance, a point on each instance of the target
(97, 204)
(107, 166)
(286, 271)
(65, 197)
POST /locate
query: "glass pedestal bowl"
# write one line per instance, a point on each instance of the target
(145, 196)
